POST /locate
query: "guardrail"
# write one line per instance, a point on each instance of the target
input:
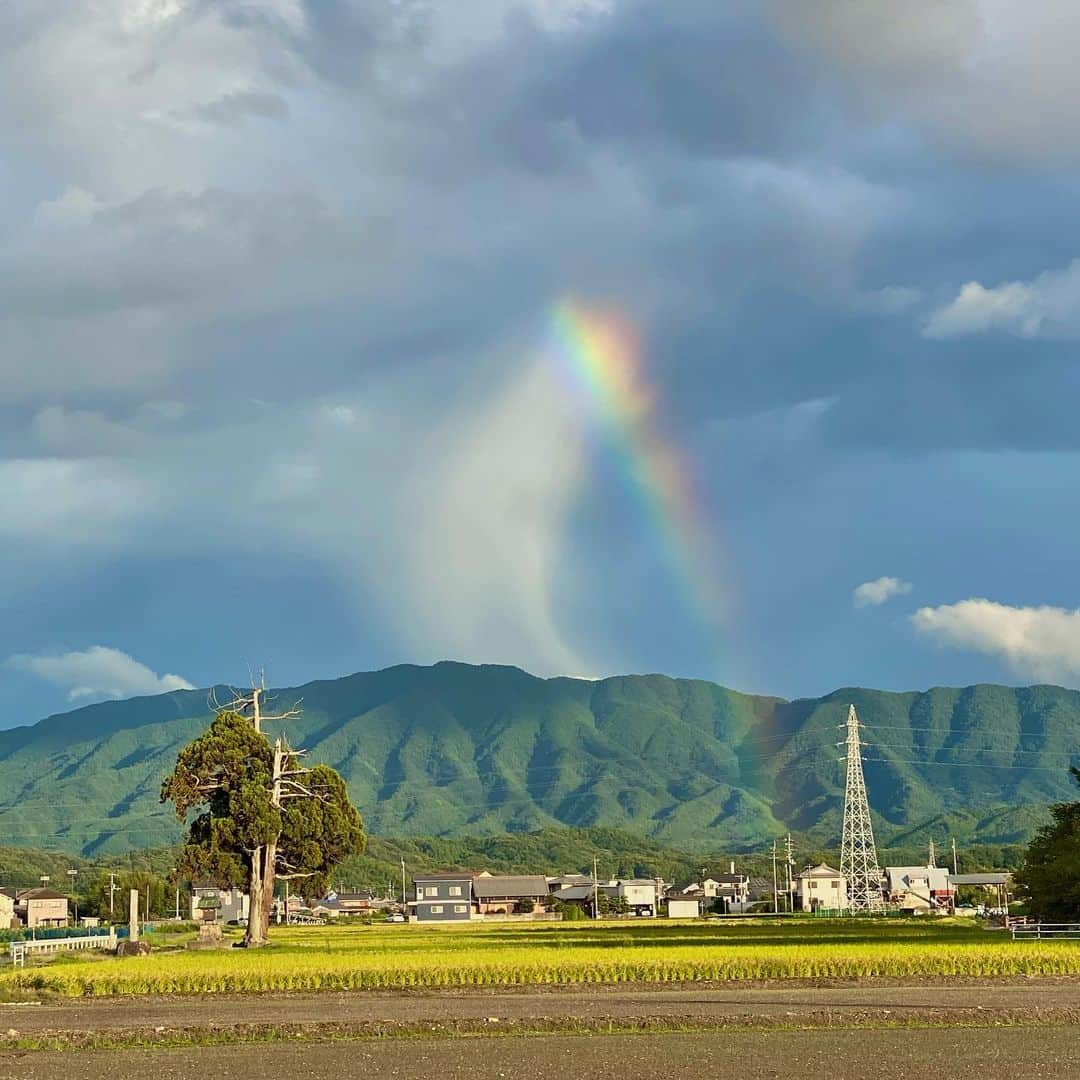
(19, 949)
(1039, 931)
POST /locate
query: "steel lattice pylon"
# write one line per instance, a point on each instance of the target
(858, 856)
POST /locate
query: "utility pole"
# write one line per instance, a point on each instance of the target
(112, 889)
(858, 855)
(931, 861)
(954, 869)
(72, 875)
(404, 894)
(595, 891)
(790, 866)
(775, 892)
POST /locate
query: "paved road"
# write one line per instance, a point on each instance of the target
(1031, 998)
(960, 1054)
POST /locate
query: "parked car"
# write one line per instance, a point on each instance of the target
(396, 917)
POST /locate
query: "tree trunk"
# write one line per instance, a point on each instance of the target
(269, 874)
(255, 935)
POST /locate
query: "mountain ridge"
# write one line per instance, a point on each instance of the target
(454, 749)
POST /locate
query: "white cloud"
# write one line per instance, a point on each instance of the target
(98, 672)
(874, 593)
(1043, 642)
(1048, 306)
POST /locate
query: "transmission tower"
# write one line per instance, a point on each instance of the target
(858, 856)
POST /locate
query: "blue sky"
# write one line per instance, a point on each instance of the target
(276, 385)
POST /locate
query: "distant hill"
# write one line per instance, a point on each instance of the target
(455, 750)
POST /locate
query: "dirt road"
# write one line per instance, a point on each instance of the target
(960, 1054)
(359, 1012)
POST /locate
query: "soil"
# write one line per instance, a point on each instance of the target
(961, 1054)
(1029, 1000)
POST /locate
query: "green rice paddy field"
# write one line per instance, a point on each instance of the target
(396, 957)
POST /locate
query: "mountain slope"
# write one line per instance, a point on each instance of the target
(454, 749)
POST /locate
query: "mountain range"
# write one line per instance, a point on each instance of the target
(455, 749)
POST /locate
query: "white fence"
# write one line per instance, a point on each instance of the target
(1041, 930)
(19, 949)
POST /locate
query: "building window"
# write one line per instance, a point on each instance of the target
(461, 908)
(455, 890)
(436, 909)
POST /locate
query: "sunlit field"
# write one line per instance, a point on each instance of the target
(405, 957)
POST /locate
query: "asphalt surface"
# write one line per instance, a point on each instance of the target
(960, 1054)
(1030, 999)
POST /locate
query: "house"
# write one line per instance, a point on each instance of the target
(758, 889)
(351, 902)
(41, 908)
(509, 894)
(232, 905)
(642, 895)
(7, 909)
(682, 906)
(443, 897)
(585, 895)
(821, 888)
(918, 888)
(567, 881)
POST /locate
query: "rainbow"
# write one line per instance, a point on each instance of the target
(600, 352)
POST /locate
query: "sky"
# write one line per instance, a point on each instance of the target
(726, 339)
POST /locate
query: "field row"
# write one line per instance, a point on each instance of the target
(376, 960)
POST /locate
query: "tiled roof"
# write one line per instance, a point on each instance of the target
(507, 885)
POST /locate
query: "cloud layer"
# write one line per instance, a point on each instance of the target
(98, 672)
(1036, 642)
(275, 320)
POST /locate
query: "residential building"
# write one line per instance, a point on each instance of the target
(758, 889)
(350, 901)
(41, 908)
(7, 909)
(567, 881)
(232, 905)
(918, 888)
(682, 906)
(642, 895)
(443, 897)
(507, 894)
(584, 895)
(821, 888)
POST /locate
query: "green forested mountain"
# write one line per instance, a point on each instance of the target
(454, 750)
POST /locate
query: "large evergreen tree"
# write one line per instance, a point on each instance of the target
(1051, 870)
(262, 817)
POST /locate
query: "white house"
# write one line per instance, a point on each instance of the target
(7, 909)
(642, 895)
(681, 906)
(821, 887)
(918, 888)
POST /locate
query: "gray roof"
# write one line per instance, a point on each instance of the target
(486, 886)
(582, 892)
(461, 875)
(999, 878)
